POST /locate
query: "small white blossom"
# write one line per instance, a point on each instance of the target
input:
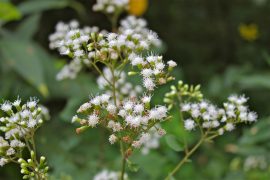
(93, 120)
(189, 124)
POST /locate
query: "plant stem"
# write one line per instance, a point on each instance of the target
(188, 154)
(123, 161)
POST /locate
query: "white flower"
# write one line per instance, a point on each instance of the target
(128, 105)
(147, 73)
(146, 99)
(229, 127)
(137, 61)
(252, 116)
(84, 107)
(32, 103)
(122, 113)
(160, 66)
(112, 139)
(138, 108)
(111, 108)
(6, 106)
(185, 107)
(10, 152)
(17, 102)
(195, 113)
(96, 101)
(189, 124)
(3, 162)
(31, 123)
(93, 120)
(133, 121)
(149, 84)
(171, 63)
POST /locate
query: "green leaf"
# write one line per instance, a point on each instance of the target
(23, 57)
(9, 12)
(28, 27)
(255, 81)
(174, 143)
(34, 6)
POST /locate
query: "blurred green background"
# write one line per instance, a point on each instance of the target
(222, 45)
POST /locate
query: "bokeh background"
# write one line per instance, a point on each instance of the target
(222, 45)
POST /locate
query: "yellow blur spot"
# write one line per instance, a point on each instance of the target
(249, 32)
(137, 7)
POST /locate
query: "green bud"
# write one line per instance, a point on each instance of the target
(132, 73)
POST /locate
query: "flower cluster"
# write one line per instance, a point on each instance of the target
(87, 46)
(210, 117)
(111, 6)
(129, 122)
(108, 175)
(70, 40)
(139, 26)
(153, 70)
(19, 123)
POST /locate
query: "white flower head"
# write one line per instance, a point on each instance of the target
(6, 106)
(189, 124)
(93, 120)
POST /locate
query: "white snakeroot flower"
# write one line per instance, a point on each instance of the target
(6, 106)
(122, 113)
(111, 108)
(189, 124)
(84, 107)
(93, 120)
(134, 121)
(112, 139)
(172, 63)
(185, 107)
(195, 113)
(229, 127)
(32, 103)
(25, 113)
(160, 66)
(149, 84)
(137, 60)
(105, 98)
(128, 105)
(146, 99)
(17, 102)
(147, 73)
(31, 123)
(3, 161)
(10, 152)
(96, 101)
(252, 116)
(138, 108)
(221, 131)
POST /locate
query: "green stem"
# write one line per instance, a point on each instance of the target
(184, 160)
(123, 161)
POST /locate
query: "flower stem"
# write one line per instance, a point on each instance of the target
(123, 161)
(188, 154)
